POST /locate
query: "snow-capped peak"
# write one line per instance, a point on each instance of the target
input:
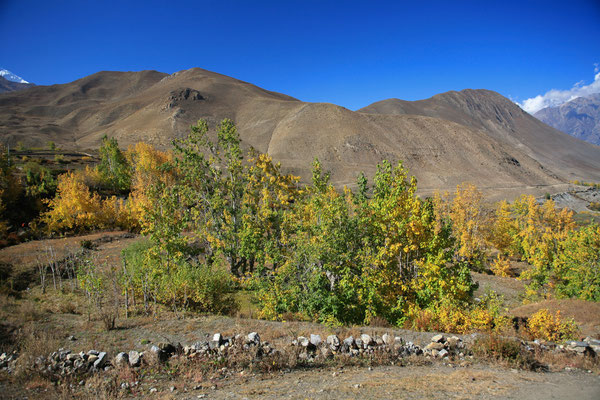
(9, 76)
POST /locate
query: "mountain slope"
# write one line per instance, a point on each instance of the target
(457, 138)
(498, 117)
(579, 117)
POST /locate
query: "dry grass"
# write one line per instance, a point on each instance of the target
(510, 353)
(33, 343)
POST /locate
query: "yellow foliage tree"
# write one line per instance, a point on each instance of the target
(146, 163)
(470, 223)
(540, 229)
(76, 208)
(544, 325)
(501, 267)
(504, 229)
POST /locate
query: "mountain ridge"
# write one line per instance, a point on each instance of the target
(472, 135)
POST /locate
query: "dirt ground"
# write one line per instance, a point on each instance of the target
(434, 381)
(63, 314)
(415, 382)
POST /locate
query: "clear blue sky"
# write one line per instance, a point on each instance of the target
(346, 52)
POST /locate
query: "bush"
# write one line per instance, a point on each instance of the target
(194, 285)
(101, 290)
(501, 267)
(486, 315)
(39, 180)
(59, 158)
(544, 325)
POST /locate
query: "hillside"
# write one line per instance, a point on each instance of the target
(579, 117)
(560, 154)
(473, 135)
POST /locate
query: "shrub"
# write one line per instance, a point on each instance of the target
(501, 267)
(100, 287)
(486, 315)
(195, 285)
(544, 325)
(59, 158)
(39, 180)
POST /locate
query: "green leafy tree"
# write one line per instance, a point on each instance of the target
(349, 260)
(39, 180)
(576, 267)
(113, 167)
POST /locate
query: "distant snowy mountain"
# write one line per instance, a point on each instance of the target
(10, 82)
(9, 76)
(579, 117)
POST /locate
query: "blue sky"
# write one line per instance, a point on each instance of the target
(348, 53)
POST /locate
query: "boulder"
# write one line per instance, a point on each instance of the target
(333, 342)
(349, 341)
(218, 339)
(121, 360)
(315, 340)
(160, 355)
(438, 338)
(135, 358)
(101, 361)
(168, 348)
(453, 341)
(387, 339)
(302, 341)
(92, 358)
(574, 343)
(367, 340)
(253, 338)
(434, 346)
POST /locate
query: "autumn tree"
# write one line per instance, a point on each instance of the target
(349, 258)
(234, 205)
(149, 167)
(76, 208)
(576, 266)
(469, 223)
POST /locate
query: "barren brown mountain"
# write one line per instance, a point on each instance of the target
(473, 135)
